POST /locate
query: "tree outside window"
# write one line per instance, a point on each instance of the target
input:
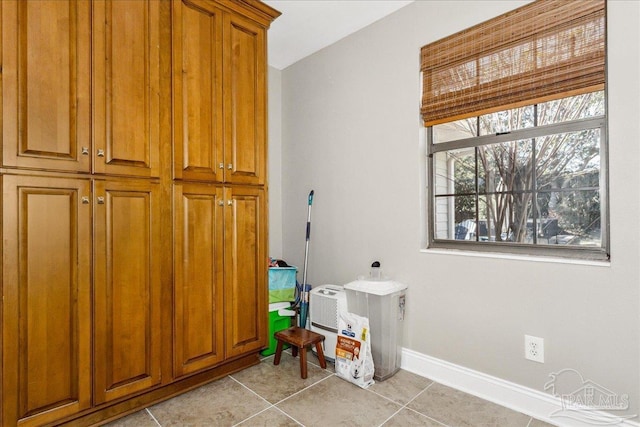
(529, 176)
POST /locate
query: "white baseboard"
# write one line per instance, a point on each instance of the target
(535, 403)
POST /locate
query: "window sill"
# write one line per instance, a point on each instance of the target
(531, 258)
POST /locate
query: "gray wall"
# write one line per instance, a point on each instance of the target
(351, 131)
(274, 167)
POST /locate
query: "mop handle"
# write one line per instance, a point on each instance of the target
(306, 248)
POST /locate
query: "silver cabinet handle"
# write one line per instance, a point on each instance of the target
(100, 200)
(85, 151)
(229, 166)
(100, 152)
(221, 165)
(220, 202)
(230, 202)
(85, 200)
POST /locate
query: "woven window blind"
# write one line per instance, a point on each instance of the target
(544, 50)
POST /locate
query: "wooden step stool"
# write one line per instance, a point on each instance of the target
(299, 339)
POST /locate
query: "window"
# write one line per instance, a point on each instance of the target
(520, 174)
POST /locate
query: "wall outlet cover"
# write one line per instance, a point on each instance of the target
(534, 348)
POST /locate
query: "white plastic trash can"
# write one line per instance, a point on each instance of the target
(383, 302)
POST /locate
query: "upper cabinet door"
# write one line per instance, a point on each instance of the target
(197, 92)
(244, 101)
(126, 74)
(46, 84)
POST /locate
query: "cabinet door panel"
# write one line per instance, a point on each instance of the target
(46, 292)
(245, 270)
(127, 288)
(46, 84)
(197, 74)
(126, 109)
(198, 292)
(245, 101)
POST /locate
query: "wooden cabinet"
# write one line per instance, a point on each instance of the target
(245, 101)
(219, 68)
(126, 288)
(220, 275)
(47, 321)
(46, 284)
(245, 272)
(46, 84)
(197, 89)
(134, 239)
(198, 277)
(126, 79)
(219, 137)
(64, 107)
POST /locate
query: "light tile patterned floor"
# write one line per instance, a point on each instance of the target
(268, 395)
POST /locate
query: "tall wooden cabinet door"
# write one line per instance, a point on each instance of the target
(126, 74)
(46, 291)
(197, 89)
(245, 270)
(245, 101)
(127, 318)
(46, 84)
(198, 284)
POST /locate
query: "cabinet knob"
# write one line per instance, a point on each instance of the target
(85, 151)
(85, 200)
(100, 152)
(230, 202)
(229, 166)
(221, 165)
(100, 200)
(220, 202)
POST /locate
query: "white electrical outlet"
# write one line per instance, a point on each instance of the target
(534, 348)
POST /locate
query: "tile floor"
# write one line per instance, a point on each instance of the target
(268, 395)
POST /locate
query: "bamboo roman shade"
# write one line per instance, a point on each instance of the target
(544, 50)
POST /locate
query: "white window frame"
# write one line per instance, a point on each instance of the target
(601, 253)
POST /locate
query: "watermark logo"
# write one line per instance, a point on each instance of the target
(586, 400)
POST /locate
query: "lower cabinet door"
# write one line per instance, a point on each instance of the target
(245, 270)
(46, 291)
(198, 278)
(127, 318)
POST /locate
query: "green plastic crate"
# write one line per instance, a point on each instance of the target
(276, 323)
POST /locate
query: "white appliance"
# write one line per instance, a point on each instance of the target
(325, 302)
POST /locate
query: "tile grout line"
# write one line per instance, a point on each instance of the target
(410, 400)
(300, 391)
(425, 415)
(269, 403)
(273, 405)
(405, 406)
(253, 392)
(153, 417)
(288, 416)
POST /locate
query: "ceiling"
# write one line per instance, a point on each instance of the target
(306, 26)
